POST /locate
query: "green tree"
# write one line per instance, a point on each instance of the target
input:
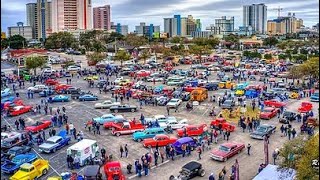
(136, 41)
(144, 55)
(199, 50)
(17, 42)
(97, 46)
(267, 56)
(176, 40)
(60, 40)
(35, 62)
(95, 57)
(4, 43)
(122, 56)
(270, 41)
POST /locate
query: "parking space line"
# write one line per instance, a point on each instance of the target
(45, 159)
(55, 155)
(133, 176)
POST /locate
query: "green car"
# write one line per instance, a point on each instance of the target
(147, 133)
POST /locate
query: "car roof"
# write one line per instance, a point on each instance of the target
(53, 138)
(192, 165)
(161, 135)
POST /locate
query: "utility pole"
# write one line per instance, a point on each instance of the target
(266, 150)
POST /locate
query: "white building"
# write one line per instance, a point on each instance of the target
(20, 29)
(255, 15)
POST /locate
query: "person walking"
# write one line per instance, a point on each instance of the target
(248, 148)
(199, 150)
(103, 152)
(282, 129)
(77, 162)
(274, 156)
(172, 153)
(156, 156)
(16, 123)
(293, 132)
(228, 135)
(139, 169)
(146, 167)
(289, 133)
(121, 151)
(215, 135)
(98, 128)
(183, 148)
(126, 150)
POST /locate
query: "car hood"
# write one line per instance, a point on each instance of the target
(138, 134)
(46, 146)
(217, 152)
(257, 133)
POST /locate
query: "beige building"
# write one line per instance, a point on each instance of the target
(284, 25)
(71, 15)
(20, 29)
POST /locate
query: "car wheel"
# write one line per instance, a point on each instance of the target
(132, 110)
(54, 150)
(212, 126)
(202, 173)
(139, 140)
(149, 147)
(116, 110)
(171, 177)
(44, 172)
(118, 134)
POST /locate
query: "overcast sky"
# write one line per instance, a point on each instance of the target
(132, 12)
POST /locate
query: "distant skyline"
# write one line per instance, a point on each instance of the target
(132, 12)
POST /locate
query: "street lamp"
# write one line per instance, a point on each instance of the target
(266, 150)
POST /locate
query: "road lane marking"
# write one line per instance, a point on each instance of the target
(45, 159)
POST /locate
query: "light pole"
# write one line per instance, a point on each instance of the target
(266, 150)
(236, 174)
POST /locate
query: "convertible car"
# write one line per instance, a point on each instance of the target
(21, 109)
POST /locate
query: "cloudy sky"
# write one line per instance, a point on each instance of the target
(132, 12)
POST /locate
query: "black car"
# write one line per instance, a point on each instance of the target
(123, 108)
(287, 117)
(72, 90)
(211, 86)
(262, 131)
(190, 170)
(13, 142)
(101, 83)
(77, 94)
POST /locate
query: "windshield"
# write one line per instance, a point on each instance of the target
(24, 170)
(17, 160)
(262, 129)
(50, 141)
(223, 148)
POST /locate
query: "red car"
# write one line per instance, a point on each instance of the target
(189, 88)
(192, 130)
(38, 126)
(113, 169)
(17, 110)
(226, 151)
(50, 82)
(143, 73)
(268, 113)
(160, 139)
(258, 87)
(59, 88)
(305, 107)
(221, 122)
(127, 128)
(274, 103)
(16, 102)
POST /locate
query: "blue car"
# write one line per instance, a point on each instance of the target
(185, 140)
(46, 93)
(6, 92)
(59, 98)
(314, 97)
(10, 167)
(147, 133)
(88, 97)
(251, 93)
(8, 99)
(55, 142)
(107, 118)
(158, 89)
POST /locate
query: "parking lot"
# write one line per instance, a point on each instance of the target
(80, 112)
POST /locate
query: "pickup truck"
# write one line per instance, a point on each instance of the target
(35, 170)
(127, 128)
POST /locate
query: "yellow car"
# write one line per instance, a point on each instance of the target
(91, 78)
(124, 82)
(35, 170)
(294, 95)
(239, 92)
(226, 85)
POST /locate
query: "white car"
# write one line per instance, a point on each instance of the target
(106, 104)
(156, 79)
(174, 124)
(73, 68)
(118, 80)
(173, 103)
(37, 88)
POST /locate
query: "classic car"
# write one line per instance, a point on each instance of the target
(294, 95)
(125, 82)
(91, 78)
(159, 140)
(287, 117)
(106, 104)
(222, 122)
(123, 108)
(52, 144)
(10, 167)
(269, 113)
(173, 103)
(16, 150)
(88, 97)
(305, 107)
(117, 122)
(143, 73)
(163, 100)
(211, 86)
(126, 128)
(189, 88)
(252, 93)
(113, 171)
(192, 130)
(8, 99)
(117, 81)
(160, 119)
(38, 126)
(228, 104)
(274, 103)
(175, 82)
(14, 141)
(239, 92)
(226, 151)
(91, 172)
(6, 92)
(155, 79)
(262, 131)
(314, 97)
(61, 88)
(107, 118)
(35, 170)
(20, 109)
(190, 170)
(46, 93)
(71, 90)
(50, 82)
(184, 140)
(147, 133)
(174, 124)
(37, 88)
(58, 98)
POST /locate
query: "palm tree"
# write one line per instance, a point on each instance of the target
(122, 56)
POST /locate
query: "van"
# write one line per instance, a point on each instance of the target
(84, 149)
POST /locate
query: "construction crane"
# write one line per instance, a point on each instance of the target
(279, 9)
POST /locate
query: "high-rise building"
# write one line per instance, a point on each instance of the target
(181, 26)
(102, 17)
(316, 27)
(147, 31)
(71, 15)
(39, 18)
(20, 29)
(139, 29)
(255, 15)
(122, 29)
(284, 25)
(226, 25)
